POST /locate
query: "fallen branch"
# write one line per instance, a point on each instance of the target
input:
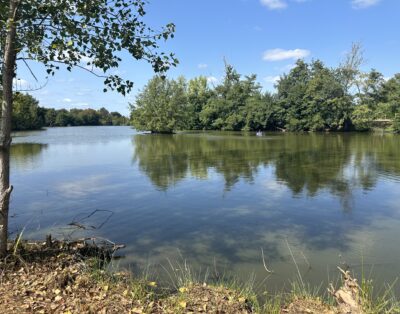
(348, 295)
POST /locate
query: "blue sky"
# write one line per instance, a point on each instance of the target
(256, 36)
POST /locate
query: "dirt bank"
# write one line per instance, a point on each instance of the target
(69, 277)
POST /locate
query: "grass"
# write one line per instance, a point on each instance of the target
(381, 301)
(207, 290)
(182, 276)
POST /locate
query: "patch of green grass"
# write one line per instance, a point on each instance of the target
(381, 301)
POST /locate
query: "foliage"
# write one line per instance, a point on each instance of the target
(391, 95)
(362, 118)
(226, 109)
(162, 106)
(260, 112)
(396, 124)
(311, 97)
(198, 94)
(27, 115)
(89, 35)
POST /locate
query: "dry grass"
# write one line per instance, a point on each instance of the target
(71, 278)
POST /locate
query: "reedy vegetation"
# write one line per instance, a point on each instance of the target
(311, 97)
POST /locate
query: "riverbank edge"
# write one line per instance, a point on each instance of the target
(73, 277)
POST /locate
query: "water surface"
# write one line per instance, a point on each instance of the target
(215, 199)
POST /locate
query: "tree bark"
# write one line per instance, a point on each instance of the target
(5, 124)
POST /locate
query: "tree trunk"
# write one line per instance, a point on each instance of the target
(5, 124)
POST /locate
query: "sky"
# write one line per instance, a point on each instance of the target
(264, 37)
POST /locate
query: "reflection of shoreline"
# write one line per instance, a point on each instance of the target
(26, 155)
(307, 164)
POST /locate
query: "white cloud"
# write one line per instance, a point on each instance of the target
(83, 187)
(274, 4)
(202, 66)
(212, 80)
(362, 4)
(67, 100)
(272, 79)
(281, 54)
(280, 4)
(19, 84)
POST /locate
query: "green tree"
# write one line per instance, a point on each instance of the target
(50, 117)
(396, 123)
(291, 89)
(27, 114)
(391, 95)
(260, 112)
(75, 33)
(198, 95)
(327, 105)
(372, 89)
(63, 118)
(161, 107)
(118, 119)
(105, 117)
(362, 117)
(226, 109)
(313, 98)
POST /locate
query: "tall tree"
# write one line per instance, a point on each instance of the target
(291, 90)
(77, 33)
(349, 69)
(161, 107)
(372, 89)
(225, 110)
(198, 95)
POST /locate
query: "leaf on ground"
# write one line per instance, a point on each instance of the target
(182, 304)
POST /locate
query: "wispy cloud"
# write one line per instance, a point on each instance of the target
(274, 4)
(212, 80)
(281, 54)
(362, 4)
(279, 4)
(272, 79)
(67, 100)
(202, 66)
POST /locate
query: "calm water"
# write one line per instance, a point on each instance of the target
(216, 199)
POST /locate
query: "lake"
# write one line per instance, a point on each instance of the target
(215, 199)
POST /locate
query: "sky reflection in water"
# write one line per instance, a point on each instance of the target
(217, 198)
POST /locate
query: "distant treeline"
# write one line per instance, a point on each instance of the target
(28, 115)
(311, 97)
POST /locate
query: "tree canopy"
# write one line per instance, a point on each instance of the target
(161, 106)
(86, 34)
(311, 97)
